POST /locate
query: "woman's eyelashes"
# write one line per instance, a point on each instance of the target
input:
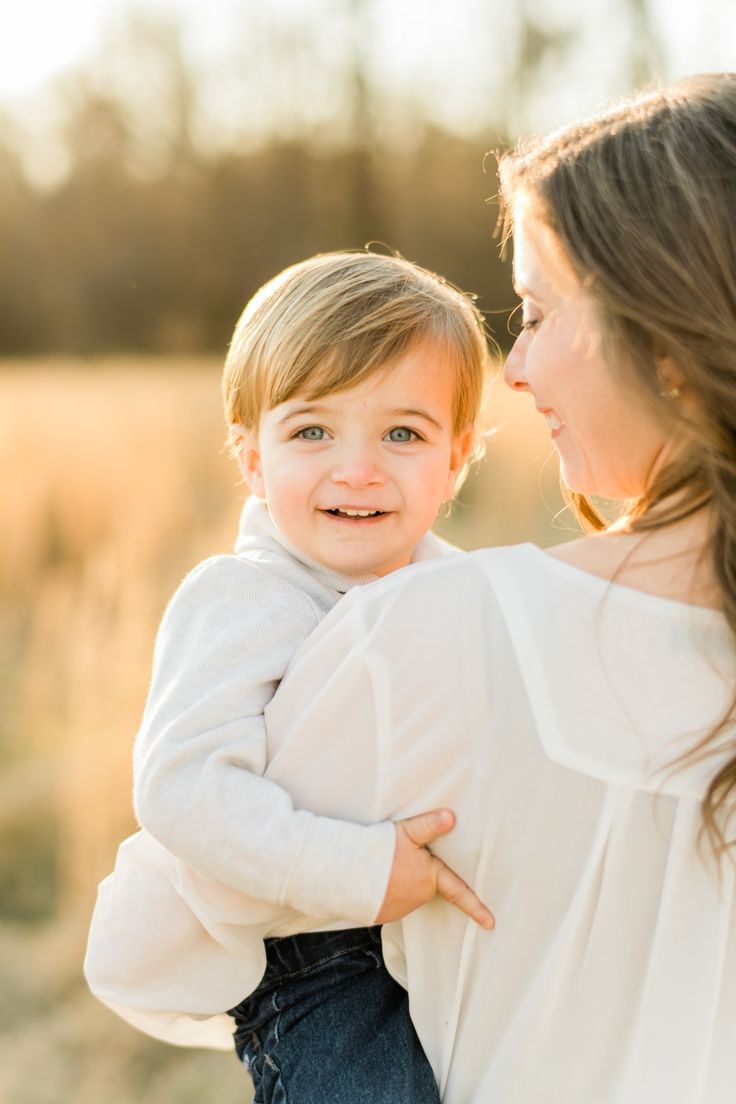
(524, 319)
(531, 316)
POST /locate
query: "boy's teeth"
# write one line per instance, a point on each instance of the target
(552, 422)
(356, 513)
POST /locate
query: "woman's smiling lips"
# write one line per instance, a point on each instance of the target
(553, 422)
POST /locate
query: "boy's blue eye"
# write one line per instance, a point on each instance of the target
(311, 433)
(401, 434)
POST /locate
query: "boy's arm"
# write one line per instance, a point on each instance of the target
(223, 646)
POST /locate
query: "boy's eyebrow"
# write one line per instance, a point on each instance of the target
(300, 411)
(409, 413)
(318, 408)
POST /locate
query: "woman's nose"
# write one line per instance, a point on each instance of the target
(513, 370)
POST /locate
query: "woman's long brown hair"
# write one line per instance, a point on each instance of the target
(643, 200)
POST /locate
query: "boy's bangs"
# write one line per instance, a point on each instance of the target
(343, 366)
(328, 324)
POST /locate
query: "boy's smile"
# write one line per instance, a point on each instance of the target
(354, 479)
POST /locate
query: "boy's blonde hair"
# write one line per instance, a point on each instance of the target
(329, 322)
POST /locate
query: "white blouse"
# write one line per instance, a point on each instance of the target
(549, 708)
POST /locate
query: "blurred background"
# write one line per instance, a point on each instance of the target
(157, 164)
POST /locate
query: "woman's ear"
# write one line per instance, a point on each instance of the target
(669, 375)
(462, 443)
(244, 443)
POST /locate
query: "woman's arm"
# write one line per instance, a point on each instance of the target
(223, 646)
(374, 717)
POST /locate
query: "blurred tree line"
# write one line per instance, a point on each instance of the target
(151, 241)
(165, 217)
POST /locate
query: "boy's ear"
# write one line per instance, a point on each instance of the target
(462, 444)
(244, 443)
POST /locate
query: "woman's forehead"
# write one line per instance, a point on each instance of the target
(541, 266)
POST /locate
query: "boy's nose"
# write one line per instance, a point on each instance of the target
(513, 370)
(358, 468)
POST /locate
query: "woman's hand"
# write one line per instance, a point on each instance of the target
(417, 875)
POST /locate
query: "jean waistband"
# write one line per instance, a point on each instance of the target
(293, 953)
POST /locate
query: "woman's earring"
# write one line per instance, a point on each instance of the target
(671, 393)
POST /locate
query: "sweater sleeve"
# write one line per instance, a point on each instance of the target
(224, 643)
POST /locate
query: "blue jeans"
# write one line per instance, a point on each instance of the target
(329, 1024)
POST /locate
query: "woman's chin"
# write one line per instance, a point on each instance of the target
(584, 483)
(577, 481)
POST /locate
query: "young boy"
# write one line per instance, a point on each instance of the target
(352, 387)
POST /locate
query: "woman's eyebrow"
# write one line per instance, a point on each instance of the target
(523, 290)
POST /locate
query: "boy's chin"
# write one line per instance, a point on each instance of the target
(359, 568)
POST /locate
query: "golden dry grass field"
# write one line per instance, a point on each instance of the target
(115, 482)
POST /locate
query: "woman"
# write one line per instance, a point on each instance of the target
(575, 708)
